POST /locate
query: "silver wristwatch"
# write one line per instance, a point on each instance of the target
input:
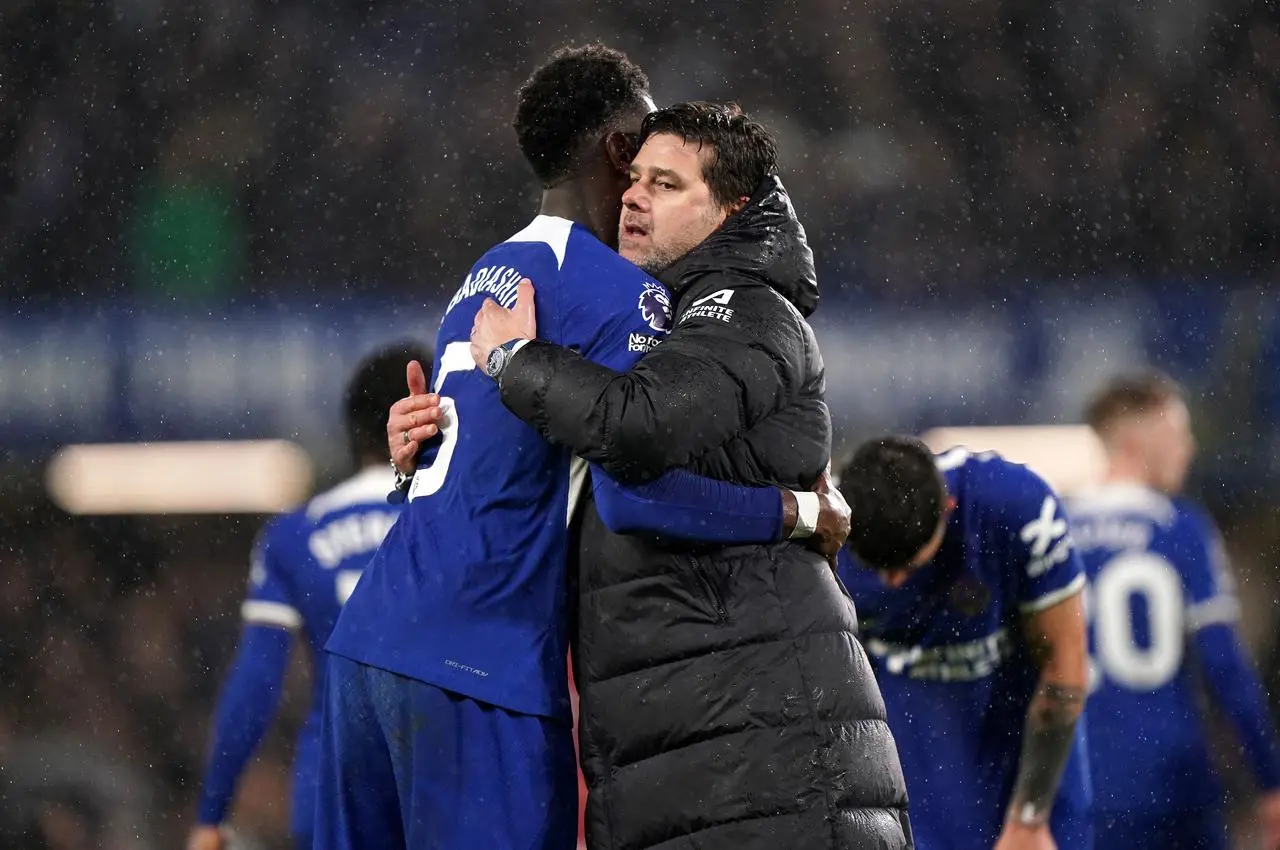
(501, 356)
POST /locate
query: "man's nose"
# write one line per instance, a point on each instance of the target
(635, 198)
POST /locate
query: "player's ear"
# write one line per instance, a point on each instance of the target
(619, 149)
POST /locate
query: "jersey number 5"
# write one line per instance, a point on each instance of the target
(456, 358)
(346, 581)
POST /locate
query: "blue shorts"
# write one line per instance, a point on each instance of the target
(1188, 830)
(404, 764)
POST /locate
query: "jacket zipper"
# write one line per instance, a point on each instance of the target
(709, 586)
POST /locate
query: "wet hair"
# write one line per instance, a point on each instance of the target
(896, 496)
(1128, 395)
(743, 151)
(570, 101)
(378, 383)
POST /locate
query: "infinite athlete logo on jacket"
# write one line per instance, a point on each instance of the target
(713, 306)
(655, 307)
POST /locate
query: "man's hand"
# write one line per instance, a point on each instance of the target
(412, 420)
(832, 525)
(833, 518)
(1016, 836)
(206, 837)
(1269, 819)
(495, 326)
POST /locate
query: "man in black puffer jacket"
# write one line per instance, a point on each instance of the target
(725, 702)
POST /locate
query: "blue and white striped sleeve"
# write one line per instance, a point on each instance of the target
(268, 602)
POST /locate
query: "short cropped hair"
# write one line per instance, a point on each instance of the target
(896, 496)
(576, 95)
(377, 383)
(1129, 395)
(744, 151)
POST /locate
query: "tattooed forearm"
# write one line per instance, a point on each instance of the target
(1046, 746)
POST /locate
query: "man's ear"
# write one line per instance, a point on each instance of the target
(736, 206)
(619, 149)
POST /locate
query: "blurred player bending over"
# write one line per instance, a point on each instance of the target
(1162, 612)
(305, 564)
(969, 597)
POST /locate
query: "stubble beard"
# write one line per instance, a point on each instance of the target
(655, 262)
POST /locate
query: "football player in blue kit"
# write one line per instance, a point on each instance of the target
(447, 722)
(969, 597)
(1163, 613)
(305, 565)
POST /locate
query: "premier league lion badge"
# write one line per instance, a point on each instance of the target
(655, 307)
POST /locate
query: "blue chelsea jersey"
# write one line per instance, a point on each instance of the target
(949, 655)
(1157, 576)
(307, 562)
(468, 591)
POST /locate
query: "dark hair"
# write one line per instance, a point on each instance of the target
(896, 496)
(578, 93)
(1126, 395)
(743, 151)
(378, 383)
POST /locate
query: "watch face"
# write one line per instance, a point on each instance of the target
(497, 358)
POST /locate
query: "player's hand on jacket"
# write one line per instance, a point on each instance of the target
(495, 326)
(412, 420)
(833, 518)
(206, 837)
(1016, 836)
(1269, 819)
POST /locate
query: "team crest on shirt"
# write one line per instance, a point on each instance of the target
(968, 597)
(655, 307)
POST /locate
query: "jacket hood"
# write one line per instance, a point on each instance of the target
(763, 240)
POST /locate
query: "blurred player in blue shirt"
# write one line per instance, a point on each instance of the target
(305, 565)
(1162, 614)
(969, 600)
(447, 719)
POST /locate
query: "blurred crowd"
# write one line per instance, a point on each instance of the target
(204, 149)
(113, 639)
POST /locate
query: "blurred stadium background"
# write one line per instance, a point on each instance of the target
(213, 208)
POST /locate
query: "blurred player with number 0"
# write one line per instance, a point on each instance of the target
(1162, 611)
